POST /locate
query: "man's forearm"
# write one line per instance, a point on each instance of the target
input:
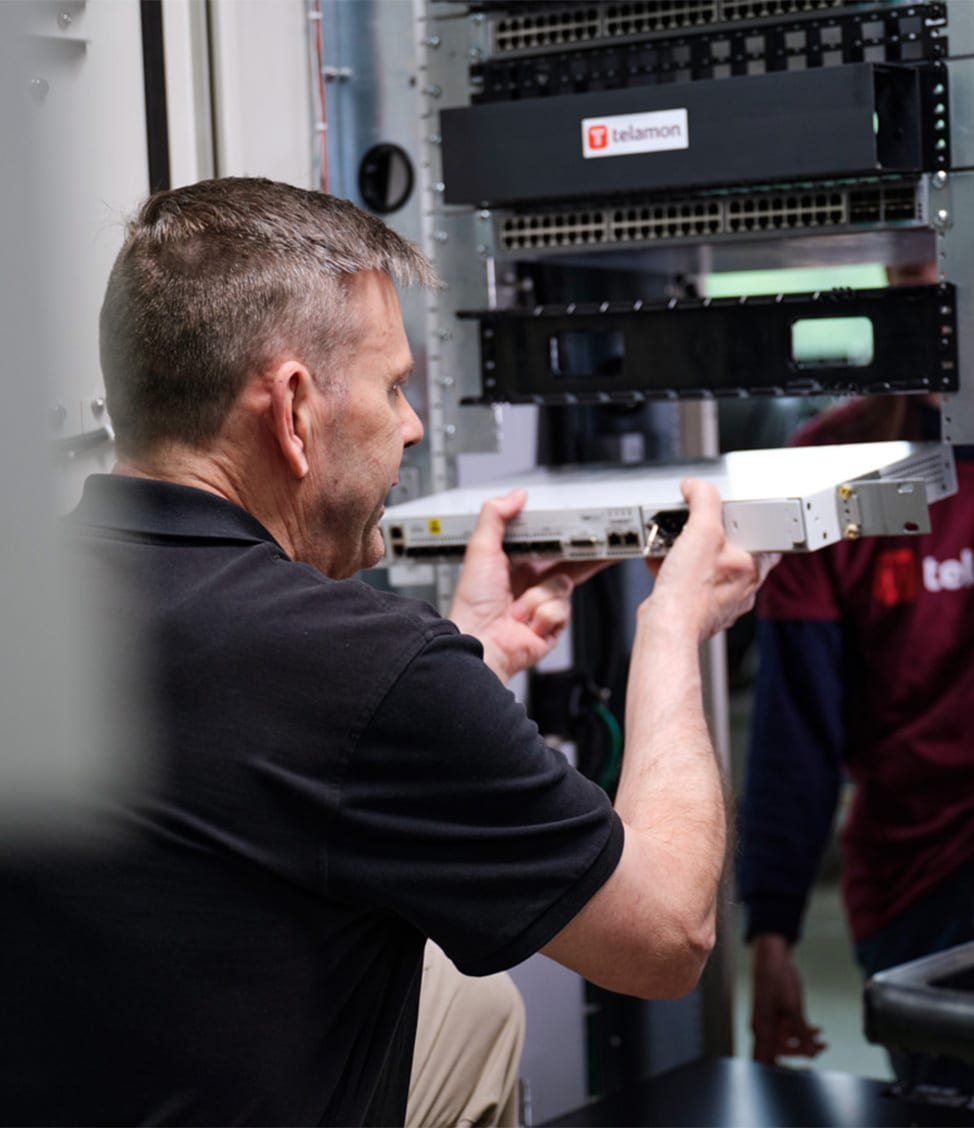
(649, 929)
(671, 792)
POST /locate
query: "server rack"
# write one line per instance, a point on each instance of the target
(538, 237)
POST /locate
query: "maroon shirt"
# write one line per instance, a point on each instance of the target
(906, 606)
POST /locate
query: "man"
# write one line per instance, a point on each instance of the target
(329, 774)
(865, 669)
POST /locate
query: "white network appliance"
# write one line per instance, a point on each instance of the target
(795, 499)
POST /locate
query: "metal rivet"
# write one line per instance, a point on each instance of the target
(98, 405)
(64, 20)
(852, 532)
(845, 491)
(39, 89)
(939, 179)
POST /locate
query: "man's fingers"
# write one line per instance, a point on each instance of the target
(546, 607)
(704, 501)
(495, 514)
(509, 505)
(765, 562)
(527, 573)
(578, 571)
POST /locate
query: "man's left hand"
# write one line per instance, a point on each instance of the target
(517, 610)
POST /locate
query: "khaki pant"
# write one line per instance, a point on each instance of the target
(468, 1049)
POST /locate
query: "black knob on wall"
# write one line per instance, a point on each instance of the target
(385, 178)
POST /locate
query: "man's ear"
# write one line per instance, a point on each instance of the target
(292, 388)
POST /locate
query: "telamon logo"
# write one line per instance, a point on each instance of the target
(598, 136)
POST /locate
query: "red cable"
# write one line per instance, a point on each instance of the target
(323, 124)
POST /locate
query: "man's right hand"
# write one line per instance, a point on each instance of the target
(704, 579)
(778, 1022)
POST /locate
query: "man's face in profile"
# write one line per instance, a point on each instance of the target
(361, 428)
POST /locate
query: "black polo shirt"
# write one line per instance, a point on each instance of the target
(326, 775)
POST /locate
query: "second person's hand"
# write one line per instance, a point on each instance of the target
(778, 1021)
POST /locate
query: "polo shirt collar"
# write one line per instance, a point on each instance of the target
(157, 508)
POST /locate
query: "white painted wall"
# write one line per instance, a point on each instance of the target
(74, 161)
(188, 102)
(75, 166)
(89, 169)
(261, 82)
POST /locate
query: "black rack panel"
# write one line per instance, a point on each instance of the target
(855, 120)
(629, 352)
(566, 62)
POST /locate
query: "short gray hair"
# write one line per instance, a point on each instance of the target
(214, 281)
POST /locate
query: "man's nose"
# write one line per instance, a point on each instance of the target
(412, 425)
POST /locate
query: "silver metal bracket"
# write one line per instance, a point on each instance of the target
(883, 508)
